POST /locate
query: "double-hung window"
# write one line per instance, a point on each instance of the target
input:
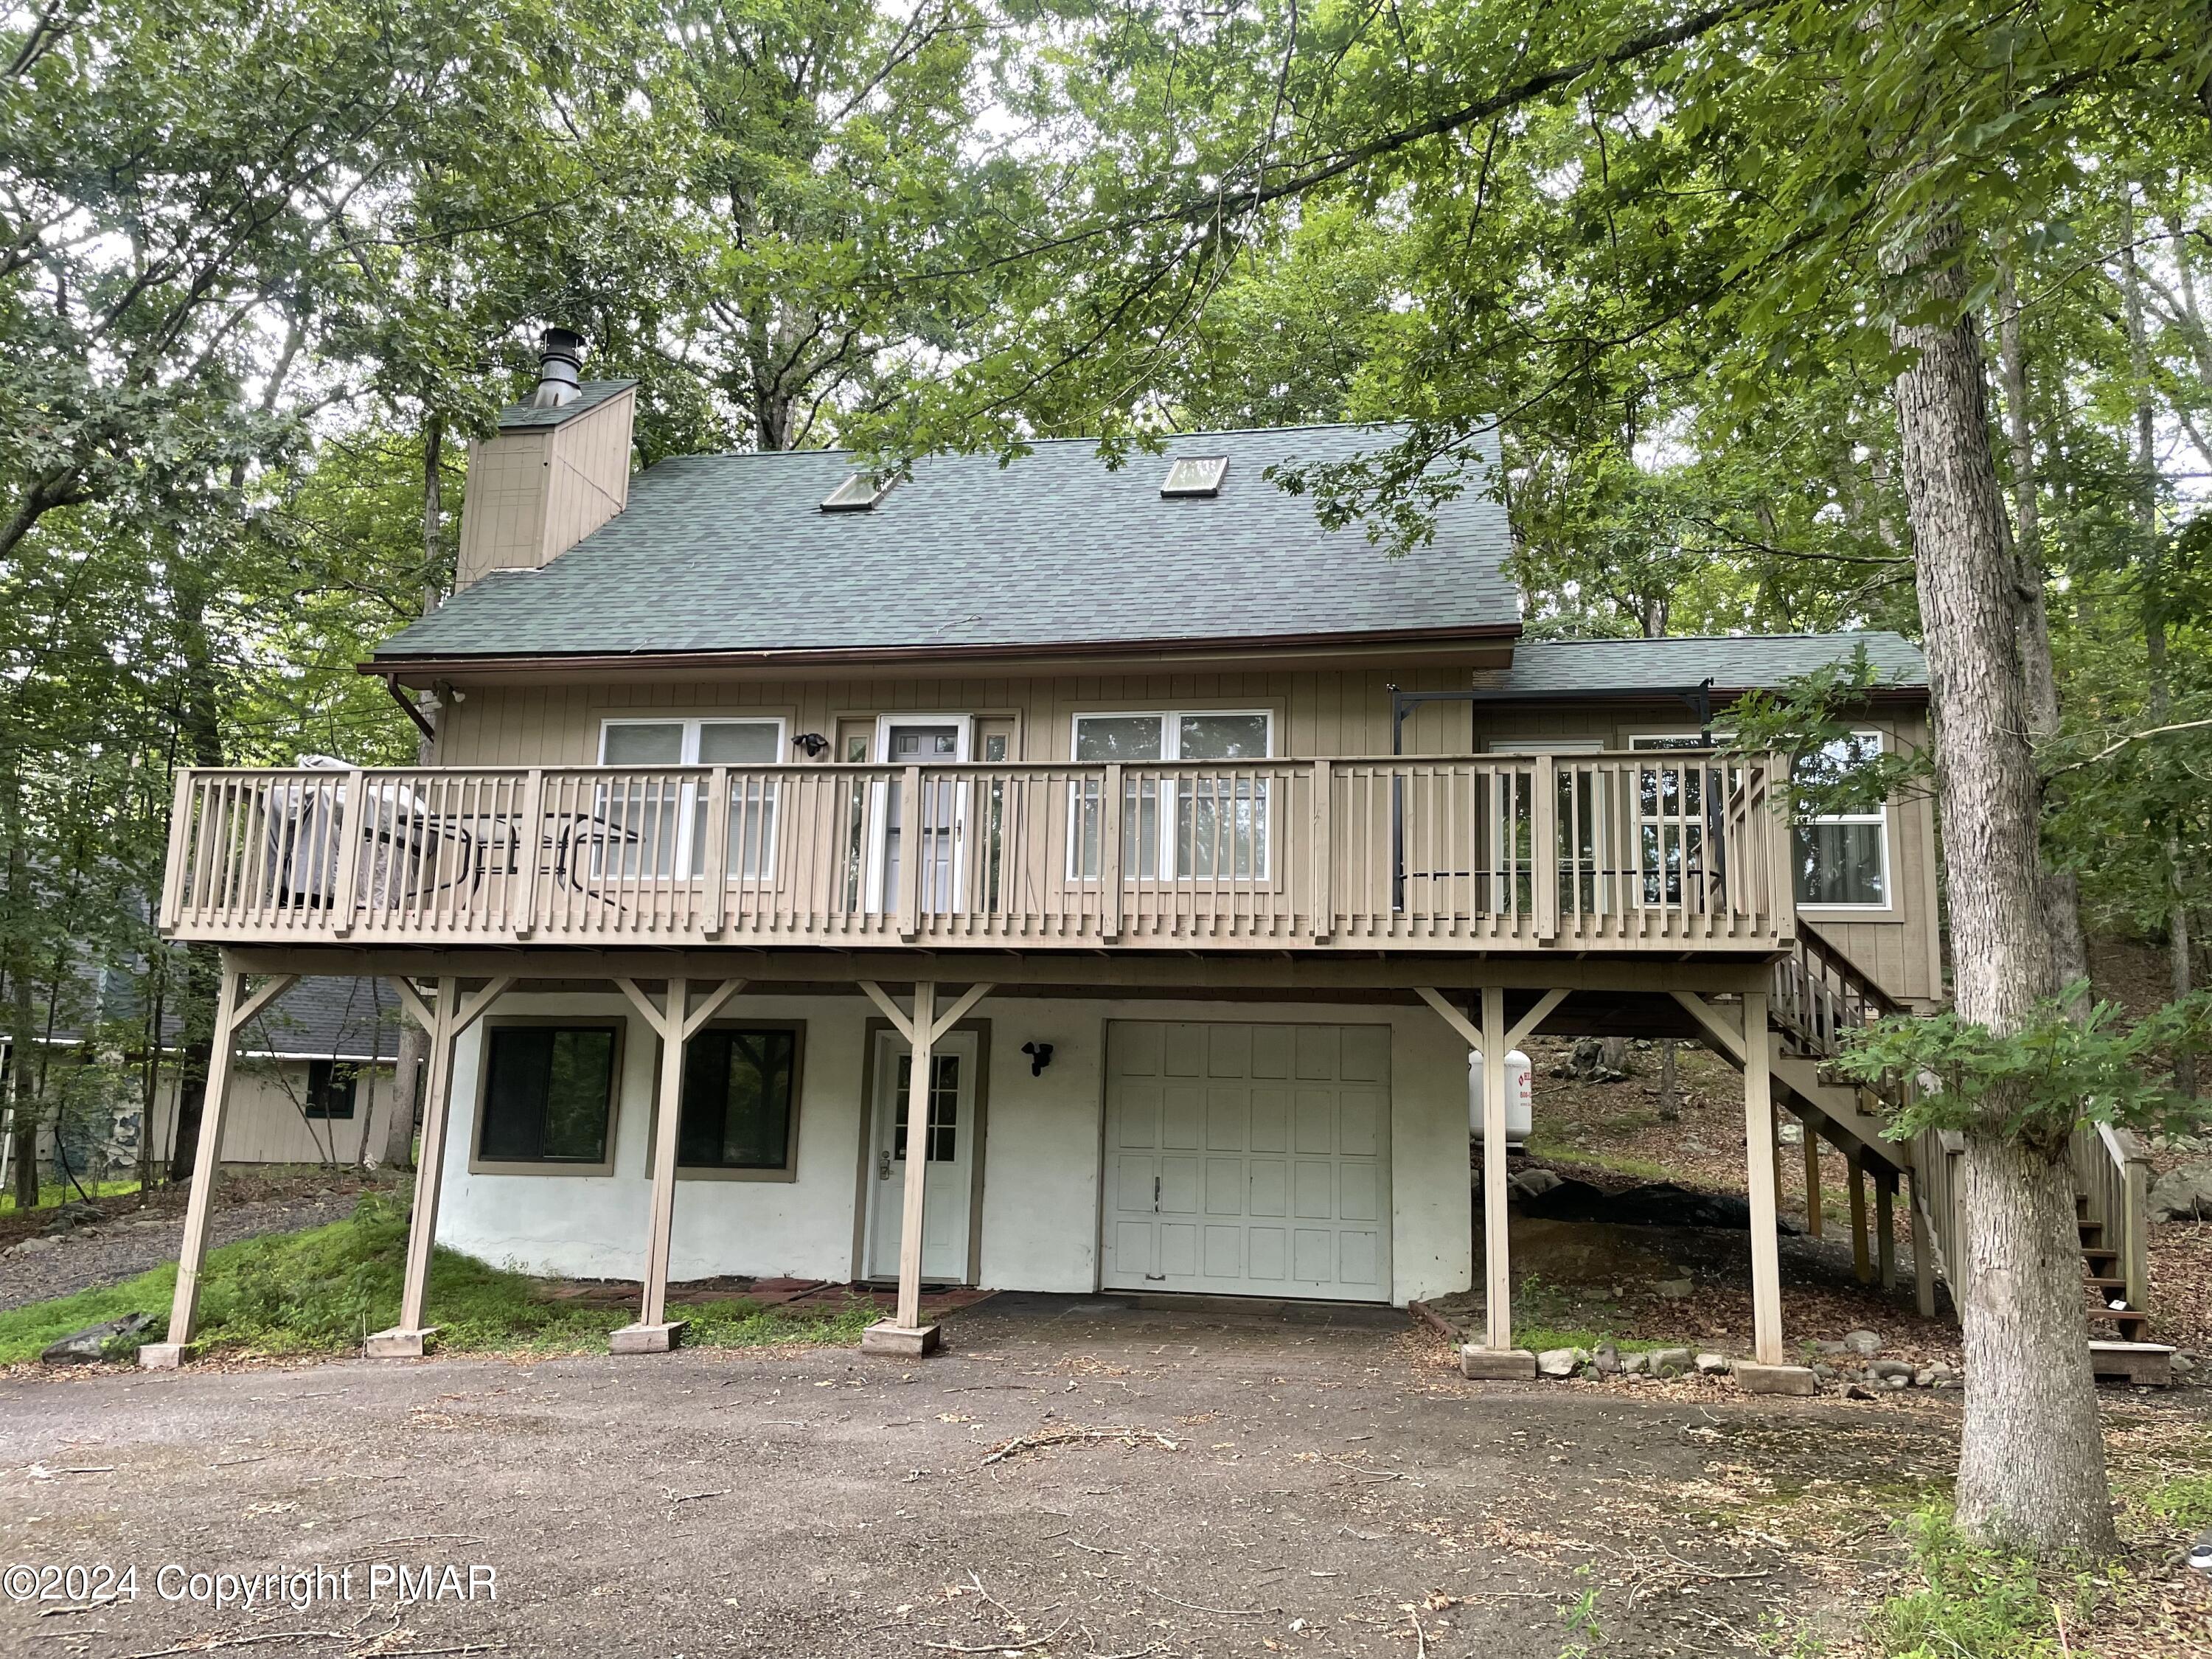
(548, 1090)
(656, 826)
(740, 1099)
(1842, 858)
(1185, 823)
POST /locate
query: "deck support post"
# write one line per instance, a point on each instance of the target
(1924, 1251)
(676, 1024)
(1492, 1039)
(1862, 1262)
(232, 1012)
(1885, 1228)
(444, 1021)
(1759, 1118)
(905, 1334)
(1814, 1222)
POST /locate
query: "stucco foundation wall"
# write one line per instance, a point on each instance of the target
(1041, 1153)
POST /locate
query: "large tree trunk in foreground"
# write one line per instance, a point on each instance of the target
(2031, 1461)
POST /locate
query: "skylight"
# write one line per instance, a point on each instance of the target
(857, 494)
(1195, 475)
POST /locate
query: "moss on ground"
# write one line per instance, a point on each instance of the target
(322, 1290)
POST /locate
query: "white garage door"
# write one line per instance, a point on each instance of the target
(1248, 1159)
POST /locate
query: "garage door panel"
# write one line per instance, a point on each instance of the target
(1270, 1120)
(1182, 1115)
(1314, 1185)
(1178, 1185)
(1359, 1192)
(1316, 1122)
(1267, 1255)
(1183, 1050)
(1270, 1186)
(1138, 1121)
(1178, 1249)
(1358, 1123)
(1248, 1157)
(1227, 1107)
(1225, 1252)
(1358, 1261)
(1133, 1249)
(1224, 1186)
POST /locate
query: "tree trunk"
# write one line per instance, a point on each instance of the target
(2031, 1464)
(2062, 889)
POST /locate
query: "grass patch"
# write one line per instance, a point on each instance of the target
(1975, 1603)
(1572, 1152)
(2184, 1502)
(322, 1290)
(54, 1194)
(1548, 1315)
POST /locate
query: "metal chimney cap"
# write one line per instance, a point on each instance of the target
(559, 355)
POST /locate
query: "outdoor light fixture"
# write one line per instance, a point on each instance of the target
(813, 744)
(1039, 1055)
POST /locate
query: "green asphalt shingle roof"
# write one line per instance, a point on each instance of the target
(589, 396)
(1733, 663)
(733, 553)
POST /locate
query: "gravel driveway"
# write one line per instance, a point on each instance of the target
(131, 1244)
(1296, 1484)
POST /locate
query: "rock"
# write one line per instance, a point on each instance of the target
(1671, 1362)
(1924, 1378)
(89, 1346)
(33, 1246)
(1900, 1381)
(1825, 1373)
(1675, 1289)
(1558, 1362)
(1605, 1359)
(1531, 1183)
(79, 1213)
(2183, 1194)
(1857, 1391)
(1865, 1344)
(1635, 1365)
(1883, 1370)
(1791, 1133)
(2181, 1363)
(1712, 1365)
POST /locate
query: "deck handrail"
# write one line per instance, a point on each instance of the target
(1633, 850)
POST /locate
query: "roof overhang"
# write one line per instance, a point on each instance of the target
(1486, 646)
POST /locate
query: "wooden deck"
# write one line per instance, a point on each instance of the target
(1661, 852)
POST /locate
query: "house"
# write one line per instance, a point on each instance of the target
(1042, 876)
(312, 1084)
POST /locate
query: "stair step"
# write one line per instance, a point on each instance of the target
(2099, 1255)
(2105, 1286)
(2144, 1364)
(2093, 1232)
(2132, 1321)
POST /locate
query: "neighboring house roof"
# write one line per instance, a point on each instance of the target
(1732, 662)
(517, 418)
(734, 554)
(318, 1018)
(329, 1019)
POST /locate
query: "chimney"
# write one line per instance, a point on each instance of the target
(558, 469)
(559, 355)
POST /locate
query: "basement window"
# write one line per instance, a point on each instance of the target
(1195, 475)
(860, 492)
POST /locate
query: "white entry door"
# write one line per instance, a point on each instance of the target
(936, 821)
(1248, 1159)
(946, 1213)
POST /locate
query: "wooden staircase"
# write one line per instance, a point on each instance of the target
(1819, 993)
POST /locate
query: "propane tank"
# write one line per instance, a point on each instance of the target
(1519, 1106)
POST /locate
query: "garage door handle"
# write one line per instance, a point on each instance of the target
(1156, 1194)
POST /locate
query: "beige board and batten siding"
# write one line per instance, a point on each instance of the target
(1318, 714)
(265, 1122)
(535, 492)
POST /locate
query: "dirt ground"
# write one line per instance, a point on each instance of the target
(1295, 1480)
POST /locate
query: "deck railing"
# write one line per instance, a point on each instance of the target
(1661, 850)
